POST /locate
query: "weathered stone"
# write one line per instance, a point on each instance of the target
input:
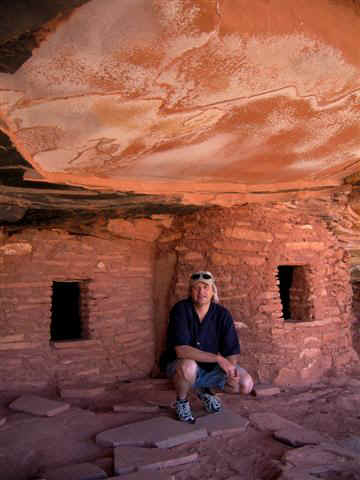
(310, 353)
(323, 454)
(130, 459)
(244, 234)
(12, 338)
(225, 422)
(220, 258)
(81, 344)
(91, 372)
(349, 403)
(145, 475)
(297, 474)
(165, 220)
(136, 408)
(271, 308)
(351, 443)
(266, 390)
(11, 213)
(254, 261)
(161, 432)
(82, 392)
(194, 257)
(101, 266)
(305, 245)
(340, 451)
(139, 229)
(80, 471)
(354, 382)
(313, 371)
(20, 346)
(229, 245)
(239, 325)
(271, 421)
(311, 396)
(38, 406)
(298, 436)
(312, 342)
(105, 463)
(20, 248)
(170, 237)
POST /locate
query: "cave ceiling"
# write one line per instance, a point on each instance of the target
(152, 106)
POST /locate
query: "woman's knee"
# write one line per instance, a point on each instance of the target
(187, 369)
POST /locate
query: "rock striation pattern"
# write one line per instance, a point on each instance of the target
(172, 95)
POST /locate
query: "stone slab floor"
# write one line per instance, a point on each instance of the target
(328, 412)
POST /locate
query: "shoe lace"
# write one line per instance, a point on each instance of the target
(183, 409)
(211, 402)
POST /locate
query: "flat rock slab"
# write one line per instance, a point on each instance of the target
(319, 465)
(296, 474)
(161, 432)
(349, 403)
(352, 443)
(354, 382)
(311, 396)
(266, 390)
(299, 437)
(85, 392)
(317, 455)
(146, 475)
(38, 406)
(132, 459)
(136, 408)
(80, 471)
(221, 423)
(271, 421)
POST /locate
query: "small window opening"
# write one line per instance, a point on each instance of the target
(294, 293)
(356, 311)
(356, 298)
(66, 322)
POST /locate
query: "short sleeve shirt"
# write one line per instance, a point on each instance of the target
(215, 334)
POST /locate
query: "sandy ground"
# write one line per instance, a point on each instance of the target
(29, 444)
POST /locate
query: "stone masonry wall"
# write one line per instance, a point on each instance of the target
(117, 309)
(133, 271)
(244, 247)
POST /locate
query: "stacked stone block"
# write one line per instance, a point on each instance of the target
(115, 275)
(244, 247)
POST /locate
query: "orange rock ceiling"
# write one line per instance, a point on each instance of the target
(174, 96)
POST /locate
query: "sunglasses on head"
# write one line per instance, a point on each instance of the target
(201, 275)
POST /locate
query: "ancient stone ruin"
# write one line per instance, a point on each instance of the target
(141, 140)
(94, 307)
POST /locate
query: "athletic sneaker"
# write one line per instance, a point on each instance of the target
(183, 411)
(210, 402)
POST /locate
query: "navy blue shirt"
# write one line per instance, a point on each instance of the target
(215, 334)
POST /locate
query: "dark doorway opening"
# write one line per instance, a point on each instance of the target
(66, 311)
(295, 293)
(356, 311)
(285, 274)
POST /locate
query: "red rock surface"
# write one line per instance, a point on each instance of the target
(191, 96)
